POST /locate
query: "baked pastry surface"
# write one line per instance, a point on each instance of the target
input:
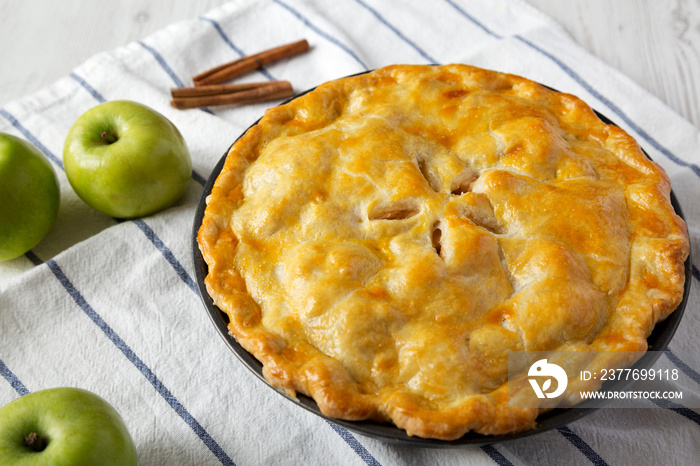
(382, 242)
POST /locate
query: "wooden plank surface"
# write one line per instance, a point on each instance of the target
(654, 42)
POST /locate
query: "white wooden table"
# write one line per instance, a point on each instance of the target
(654, 42)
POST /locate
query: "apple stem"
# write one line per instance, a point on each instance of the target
(35, 441)
(108, 137)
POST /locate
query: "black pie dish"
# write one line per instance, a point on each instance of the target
(658, 341)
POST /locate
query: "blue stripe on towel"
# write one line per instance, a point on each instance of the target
(98, 97)
(233, 47)
(30, 137)
(321, 33)
(140, 365)
(168, 70)
(582, 446)
(496, 455)
(198, 178)
(33, 258)
(397, 32)
(474, 20)
(12, 379)
(167, 254)
(687, 370)
(163, 64)
(680, 409)
(355, 445)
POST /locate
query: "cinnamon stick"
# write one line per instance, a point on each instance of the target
(214, 89)
(235, 68)
(209, 97)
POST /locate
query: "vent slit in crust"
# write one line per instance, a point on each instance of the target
(436, 237)
(392, 212)
(430, 178)
(464, 182)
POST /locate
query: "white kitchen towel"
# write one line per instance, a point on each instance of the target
(112, 307)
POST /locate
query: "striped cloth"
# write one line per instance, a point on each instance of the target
(112, 306)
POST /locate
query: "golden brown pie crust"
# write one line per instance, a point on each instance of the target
(382, 242)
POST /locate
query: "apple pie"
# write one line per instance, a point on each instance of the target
(382, 242)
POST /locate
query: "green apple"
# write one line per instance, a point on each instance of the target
(29, 196)
(126, 160)
(63, 426)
